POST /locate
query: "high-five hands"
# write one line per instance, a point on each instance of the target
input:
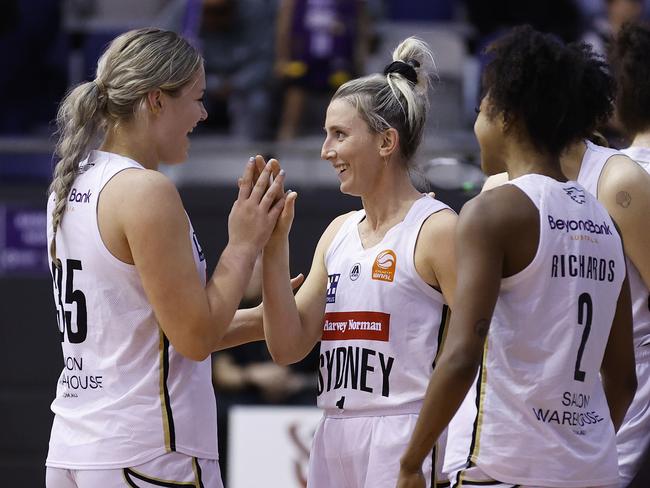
(259, 204)
(283, 225)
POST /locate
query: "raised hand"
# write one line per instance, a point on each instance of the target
(256, 210)
(283, 225)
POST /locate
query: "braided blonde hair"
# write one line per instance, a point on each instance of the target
(135, 63)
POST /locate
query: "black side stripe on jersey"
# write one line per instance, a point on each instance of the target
(168, 418)
(442, 332)
(480, 390)
(129, 473)
(442, 484)
(461, 481)
(197, 472)
(434, 455)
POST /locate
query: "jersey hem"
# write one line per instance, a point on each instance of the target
(504, 478)
(133, 461)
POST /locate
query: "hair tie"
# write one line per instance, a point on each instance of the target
(102, 94)
(407, 70)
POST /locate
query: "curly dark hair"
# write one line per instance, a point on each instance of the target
(556, 93)
(632, 68)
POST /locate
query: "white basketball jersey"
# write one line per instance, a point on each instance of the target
(537, 414)
(383, 324)
(125, 395)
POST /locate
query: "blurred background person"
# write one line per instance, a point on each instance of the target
(320, 44)
(236, 37)
(603, 28)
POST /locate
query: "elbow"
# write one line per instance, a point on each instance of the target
(195, 343)
(194, 352)
(462, 365)
(283, 357)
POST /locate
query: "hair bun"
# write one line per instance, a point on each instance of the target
(407, 70)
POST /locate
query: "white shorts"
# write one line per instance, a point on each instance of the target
(171, 469)
(474, 476)
(363, 452)
(634, 434)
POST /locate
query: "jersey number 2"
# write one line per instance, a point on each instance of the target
(63, 316)
(585, 312)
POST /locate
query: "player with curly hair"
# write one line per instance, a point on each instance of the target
(542, 301)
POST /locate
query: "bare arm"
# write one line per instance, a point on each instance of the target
(435, 256)
(479, 279)
(618, 371)
(193, 317)
(293, 326)
(247, 325)
(283, 36)
(624, 189)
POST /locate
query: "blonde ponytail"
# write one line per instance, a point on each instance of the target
(135, 63)
(78, 121)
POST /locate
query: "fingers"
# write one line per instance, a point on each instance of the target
(277, 207)
(289, 206)
(246, 181)
(259, 166)
(260, 163)
(297, 281)
(262, 183)
(274, 193)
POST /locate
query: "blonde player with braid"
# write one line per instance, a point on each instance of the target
(137, 319)
(380, 284)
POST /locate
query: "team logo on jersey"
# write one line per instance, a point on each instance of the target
(570, 225)
(345, 326)
(383, 269)
(355, 271)
(79, 197)
(576, 194)
(332, 283)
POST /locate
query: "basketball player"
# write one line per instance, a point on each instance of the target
(632, 68)
(380, 282)
(623, 187)
(542, 299)
(137, 320)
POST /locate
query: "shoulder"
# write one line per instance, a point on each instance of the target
(501, 211)
(332, 229)
(143, 196)
(438, 225)
(622, 173)
(494, 181)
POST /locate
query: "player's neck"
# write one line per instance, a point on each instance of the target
(571, 160)
(521, 158)
(389, 201)
(127, 142)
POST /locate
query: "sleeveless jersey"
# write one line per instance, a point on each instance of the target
(537, 414)
(383, 324)
(125, 395)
